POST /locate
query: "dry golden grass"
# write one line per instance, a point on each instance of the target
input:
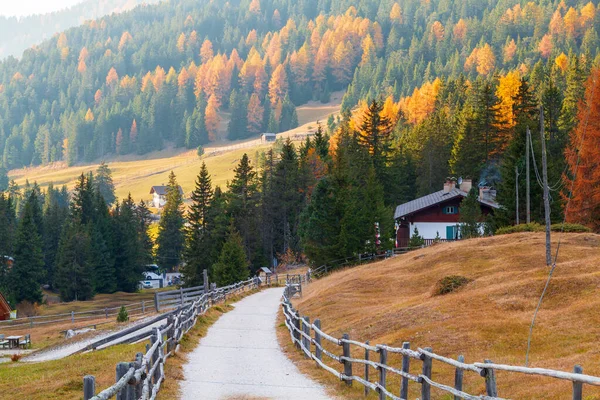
(63, 379)
(391, 302)
(136, 174)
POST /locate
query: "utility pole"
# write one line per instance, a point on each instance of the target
(517, 191)
(546, 191)
(527, 192)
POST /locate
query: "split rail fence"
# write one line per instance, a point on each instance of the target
(142, 378)
(74, 317)
(309, 337)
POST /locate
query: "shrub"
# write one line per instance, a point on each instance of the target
(535, 227)
(450, 284)
(200, 151)
(123, 316)
(416, 240)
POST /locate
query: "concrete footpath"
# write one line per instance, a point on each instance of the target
(240, 358)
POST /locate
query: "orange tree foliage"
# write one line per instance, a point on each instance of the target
(508, 87)
(460, 31)
(125, 38)
(437, 30)
(206, 51)
(212, 118)
(278, 85)
(181, 43)
(482, 59)
(562, 61)
(112, 78)
(510, 49)
(584, 147)
(422, 102)
(255, 114)
(396, 14)
(546, 45)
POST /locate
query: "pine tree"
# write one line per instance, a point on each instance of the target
(55, 216)
(170, 228)
(144, 220)
(232, 265)
(197, 253)
(104, 184)
(470, 215)
(74, 272)
(101, 252)
(27, 273)
(242, 202)
(374, 134)
(130, 257)
(7, 236)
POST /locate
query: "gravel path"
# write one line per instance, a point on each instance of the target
(72, 347)
(240, 357)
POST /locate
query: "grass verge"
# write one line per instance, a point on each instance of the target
(63, 379)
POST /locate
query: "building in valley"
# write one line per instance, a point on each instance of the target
(438, 214)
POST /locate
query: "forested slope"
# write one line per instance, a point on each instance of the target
(131, 82)
(17, 34)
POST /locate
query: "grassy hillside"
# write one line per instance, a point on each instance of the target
(392, 301)
(136, 174)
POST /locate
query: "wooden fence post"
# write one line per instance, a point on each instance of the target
(139, 357)
(382, 372)
(425, 387)
(347, 364)
(458, 377)
(106, 313)
(206, 282)
(405, 368)
(318, 344)
(490, 381)
(122, 369)
(72, 317)
(367, 369)
(296, 333)
(153, 339)
(156, 302)
(89, 387)
(143, 307)
(577, 386)
(181, 295)
(306, 330)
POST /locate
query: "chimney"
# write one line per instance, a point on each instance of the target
(449, 185)
(466, 185)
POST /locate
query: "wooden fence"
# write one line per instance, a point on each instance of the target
(142, 378)
(142, 307)
(309, 336)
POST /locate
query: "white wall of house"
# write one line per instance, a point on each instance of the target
(429, 230)
(159, 200)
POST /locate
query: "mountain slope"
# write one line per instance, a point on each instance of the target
(132, 82)
(392, 301)
(18, 34)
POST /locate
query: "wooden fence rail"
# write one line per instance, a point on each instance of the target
(142, 307)
(142, 378)
(307, 336)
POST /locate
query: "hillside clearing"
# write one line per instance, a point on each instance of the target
(136, 174)
(488, 318)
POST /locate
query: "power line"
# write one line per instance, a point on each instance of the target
(562, 229)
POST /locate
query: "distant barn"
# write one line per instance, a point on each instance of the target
(268, 137)
(159, 195)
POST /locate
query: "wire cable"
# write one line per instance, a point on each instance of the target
(562, 229)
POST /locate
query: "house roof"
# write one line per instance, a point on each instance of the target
(432, 199)
(162, 190)
(265, 270)
(4, 306)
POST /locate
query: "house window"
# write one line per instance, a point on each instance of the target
(450, 210)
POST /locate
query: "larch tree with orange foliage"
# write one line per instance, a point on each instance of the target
(510, 49)
(112, 78)
(459, 32)
(212, 118)
(278, 85)
(206, 51)
(583, 158)
(396, 14)
(255, 114)
(546, 46)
